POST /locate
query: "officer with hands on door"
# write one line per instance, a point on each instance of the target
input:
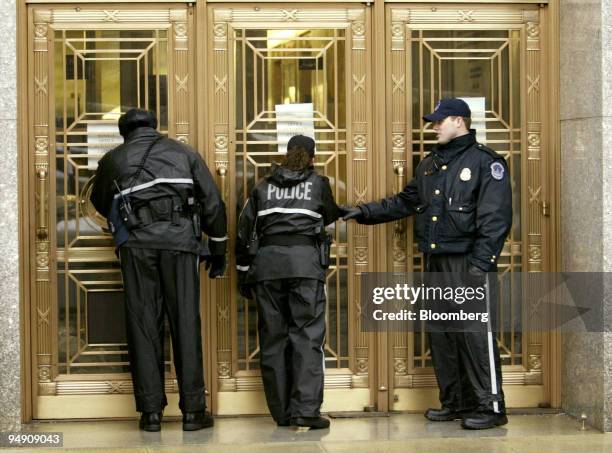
(282, 252)
(462, 200)
(158, 196)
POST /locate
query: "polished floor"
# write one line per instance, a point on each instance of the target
(394, 433)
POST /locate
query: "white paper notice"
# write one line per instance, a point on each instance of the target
(293, 119)
(477, 106)
(105, 136)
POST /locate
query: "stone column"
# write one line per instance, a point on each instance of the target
(586, 194)
(10, 362)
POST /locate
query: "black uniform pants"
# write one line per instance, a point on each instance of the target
(466, 361)
(291, 337)
(158, 281)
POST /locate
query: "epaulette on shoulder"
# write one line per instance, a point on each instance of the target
(489, 151)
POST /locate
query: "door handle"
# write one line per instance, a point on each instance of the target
(222, 173)
(398, 169)
(41, 187)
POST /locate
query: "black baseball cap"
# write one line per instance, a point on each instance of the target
(305, 142)
(135, 118)
(449, 107)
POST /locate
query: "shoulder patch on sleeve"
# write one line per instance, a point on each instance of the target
(497, 170)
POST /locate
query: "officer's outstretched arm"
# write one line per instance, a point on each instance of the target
(493, 214)
(395, 207)
(331, 211)
(214, 217)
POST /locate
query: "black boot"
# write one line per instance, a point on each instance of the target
(311, 422)
(442, 415)
(150, 421)
(484, 420)
(193, 421)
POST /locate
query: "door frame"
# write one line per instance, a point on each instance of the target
(219, 145)
(545, 145)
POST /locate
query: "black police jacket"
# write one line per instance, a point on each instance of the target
(462, 198)
(173, 171)
(285, 203)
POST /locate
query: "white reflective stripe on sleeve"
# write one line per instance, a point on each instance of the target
(490, 346)
(242, 268)
(224, 238)
(307, 212)
(146, 185)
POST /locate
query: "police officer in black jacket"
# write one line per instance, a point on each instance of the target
(462, 199)
(279, 251)
(171, 196)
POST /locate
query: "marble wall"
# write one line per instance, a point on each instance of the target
(10, 396)
(606, 39)
(586, 194)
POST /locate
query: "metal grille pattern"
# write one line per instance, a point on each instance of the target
(98, 75)
(275, 67)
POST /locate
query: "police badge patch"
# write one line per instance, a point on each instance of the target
(497, 170)
(466, 174)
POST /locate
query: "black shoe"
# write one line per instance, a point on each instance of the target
(193, 421)
(484, 420)
(283, 423)
(311, 422)
(443, 415)
(150, 421)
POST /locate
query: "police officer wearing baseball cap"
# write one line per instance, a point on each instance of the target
(462, 202)
(281, 254)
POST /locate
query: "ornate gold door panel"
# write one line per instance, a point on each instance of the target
(263, 61)
(492, 56)
(86, 66)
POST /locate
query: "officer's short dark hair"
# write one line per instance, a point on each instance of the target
(467, 120)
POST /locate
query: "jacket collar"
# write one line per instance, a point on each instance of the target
(141, 132)
(446, 153)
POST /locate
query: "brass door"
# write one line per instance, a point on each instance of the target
(492, 56)
(263, 61)
(86, 66)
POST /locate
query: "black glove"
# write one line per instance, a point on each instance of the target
(216, 264)
(350, 212)
(245, 289)
(476, 277)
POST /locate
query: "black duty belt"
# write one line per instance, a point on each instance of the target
(146, 215)
(288, 239)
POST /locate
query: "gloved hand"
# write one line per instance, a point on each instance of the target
(476, 277)
(350, 212)
(216, 264)
(245, 289)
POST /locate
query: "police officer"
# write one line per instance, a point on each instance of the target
(279, 251)
(162, 188)
(462, 199)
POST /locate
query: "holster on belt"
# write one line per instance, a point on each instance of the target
(325, 243)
